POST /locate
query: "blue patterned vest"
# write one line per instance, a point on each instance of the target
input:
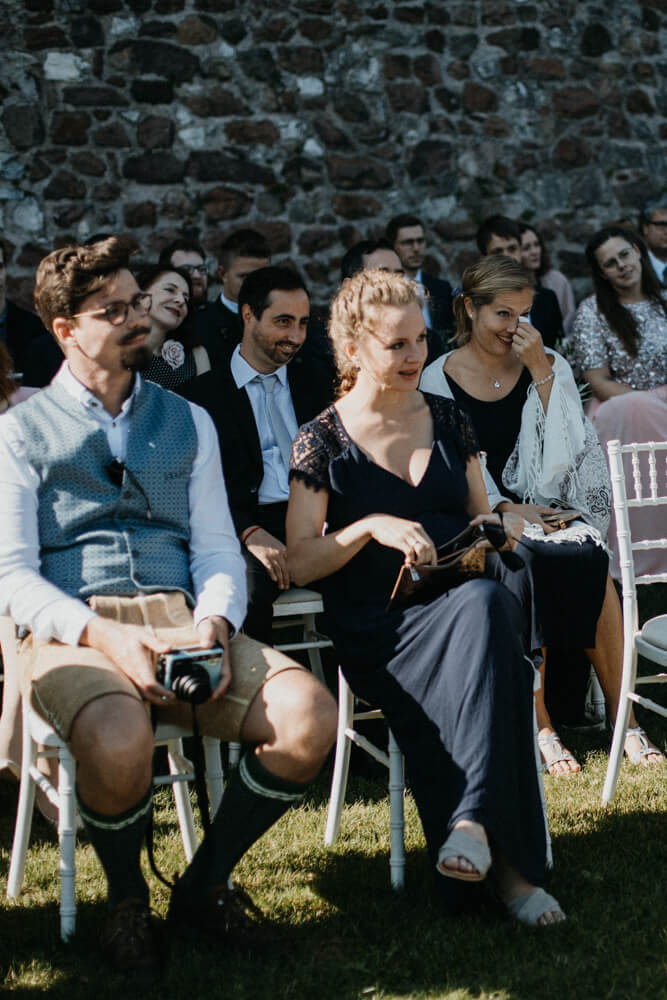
(97, 537)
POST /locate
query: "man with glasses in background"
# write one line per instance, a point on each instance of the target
(653, 226)
(405, 234)
(189, 256)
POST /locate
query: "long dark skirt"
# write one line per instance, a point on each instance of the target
(457, 692)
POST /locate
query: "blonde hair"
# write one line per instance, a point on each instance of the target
(482, 282)
(353, 314)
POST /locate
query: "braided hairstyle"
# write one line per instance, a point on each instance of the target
(354, 314)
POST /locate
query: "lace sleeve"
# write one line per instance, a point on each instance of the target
(314, 446)
(450, 421)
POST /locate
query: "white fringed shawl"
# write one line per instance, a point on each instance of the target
(557, 457)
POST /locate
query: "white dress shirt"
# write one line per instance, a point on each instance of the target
(659, 266)
(232, 306)
(426, 312)
(216, 565)
(274, 487)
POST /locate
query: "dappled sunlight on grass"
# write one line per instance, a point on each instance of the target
(344, 934)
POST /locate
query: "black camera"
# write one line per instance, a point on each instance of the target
(192, 673)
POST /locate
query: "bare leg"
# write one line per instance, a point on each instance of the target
(607, 660)
(292, 721)
(112, 741)
(550, 745)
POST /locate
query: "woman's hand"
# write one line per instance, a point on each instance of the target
(408, 537)
(531, 512)
(512, 524)
(528, 345)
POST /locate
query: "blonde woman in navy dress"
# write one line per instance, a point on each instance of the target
(383, 477)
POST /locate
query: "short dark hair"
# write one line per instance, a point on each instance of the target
(244, 243)
(259, 284)
(353, 259)
(497, 225)
(650, 206)
(183, 244)
(67, 276)
(400, 222)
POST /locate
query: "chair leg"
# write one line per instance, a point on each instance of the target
(24, 812)
(181, 792)
(620, 725)
(341, 760)
(67, 839)
(314, 658)
(396, 814)
(214, 772)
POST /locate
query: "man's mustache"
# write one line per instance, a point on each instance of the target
(134, 333)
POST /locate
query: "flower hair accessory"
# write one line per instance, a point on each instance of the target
(173, 353)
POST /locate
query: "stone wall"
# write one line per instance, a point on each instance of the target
(317, 120)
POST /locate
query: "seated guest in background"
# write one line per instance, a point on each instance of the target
(189, 256)
(653, 227)
(541, 455)
(405, 233)
(35, 358)
(370, 255)
(257, 401)
(620, 344)
(499, 235)
(535, 258)
(97, 455)
(176, 356)
(10, 392)
(219, 326)
(379, 480)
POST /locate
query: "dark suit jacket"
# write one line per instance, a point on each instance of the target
(22, 329)
(442, 315)
(219, 330)
(311, 389)
(546, 316)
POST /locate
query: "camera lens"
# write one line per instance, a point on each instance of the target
(195, 686)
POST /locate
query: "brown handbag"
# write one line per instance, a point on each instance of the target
(561, 518)
(461, 560)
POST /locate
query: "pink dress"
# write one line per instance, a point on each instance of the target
(637, 416)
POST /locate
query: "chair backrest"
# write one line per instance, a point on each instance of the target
(638, 480)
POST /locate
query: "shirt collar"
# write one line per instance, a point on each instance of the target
(243, 372)
(232, 306)
(70, 383)
(658, 265)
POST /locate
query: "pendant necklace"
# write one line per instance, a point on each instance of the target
(496, 383)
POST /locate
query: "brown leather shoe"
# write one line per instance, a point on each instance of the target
(132, 940)
(222, 915)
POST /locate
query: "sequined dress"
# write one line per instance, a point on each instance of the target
(597, 346)
(632, 416)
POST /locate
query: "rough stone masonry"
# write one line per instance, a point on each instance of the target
(317, 120)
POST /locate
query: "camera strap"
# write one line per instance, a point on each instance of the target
(200, 789)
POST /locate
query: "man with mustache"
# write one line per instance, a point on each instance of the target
(117, 545)
(257, 401)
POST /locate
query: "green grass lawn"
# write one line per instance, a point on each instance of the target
(341, 932)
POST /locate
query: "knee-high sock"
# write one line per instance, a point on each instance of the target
(117, 841)
(253, 800)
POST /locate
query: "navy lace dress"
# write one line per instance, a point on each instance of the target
(450, 675)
